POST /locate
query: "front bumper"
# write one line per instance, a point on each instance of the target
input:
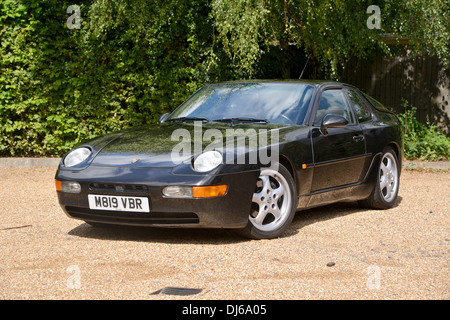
(229, 211)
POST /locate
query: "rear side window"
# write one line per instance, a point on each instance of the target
(381, 112)
(359, 106)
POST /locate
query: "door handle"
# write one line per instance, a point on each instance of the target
(358, 138)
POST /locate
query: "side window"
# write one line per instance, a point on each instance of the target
(362, 111)
(333, 102)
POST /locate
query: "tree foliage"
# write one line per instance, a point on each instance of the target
(331, 31)
(133, 60)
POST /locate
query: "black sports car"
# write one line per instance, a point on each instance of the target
(245, 155)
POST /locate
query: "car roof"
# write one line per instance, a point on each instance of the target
(304, 81)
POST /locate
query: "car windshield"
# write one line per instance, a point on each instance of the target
(284, 103)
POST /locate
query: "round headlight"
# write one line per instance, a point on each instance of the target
(77, 156)
(207, 161)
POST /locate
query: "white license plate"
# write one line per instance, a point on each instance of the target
(118, 203)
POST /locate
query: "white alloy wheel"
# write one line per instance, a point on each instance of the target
(273, 204)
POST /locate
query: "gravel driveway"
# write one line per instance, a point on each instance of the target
(334, 252)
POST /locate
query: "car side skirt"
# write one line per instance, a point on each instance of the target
(351, 192)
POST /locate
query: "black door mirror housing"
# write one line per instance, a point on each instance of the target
(332, 121)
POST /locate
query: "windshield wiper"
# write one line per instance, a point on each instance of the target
(181, 119)
(237, 120)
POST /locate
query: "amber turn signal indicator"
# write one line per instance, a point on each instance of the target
(209, 191)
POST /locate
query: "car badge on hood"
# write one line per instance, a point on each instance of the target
(134, 160)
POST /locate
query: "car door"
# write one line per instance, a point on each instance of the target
(339, 154)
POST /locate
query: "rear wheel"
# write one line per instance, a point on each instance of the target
(273, 204)
(385, 192)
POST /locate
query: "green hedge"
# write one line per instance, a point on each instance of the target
(422, 142)
(60, 86)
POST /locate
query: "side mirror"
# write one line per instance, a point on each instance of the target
(332, 121)
(163, 117)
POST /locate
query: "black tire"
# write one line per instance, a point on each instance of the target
(273, 205)
(384, 195)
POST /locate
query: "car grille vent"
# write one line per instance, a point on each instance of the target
(133, 218)
(120, 188)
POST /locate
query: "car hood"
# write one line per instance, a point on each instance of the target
(153, 146)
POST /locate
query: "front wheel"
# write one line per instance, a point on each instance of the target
(273, 204)
(385, 192)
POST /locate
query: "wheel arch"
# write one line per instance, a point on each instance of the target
(398, 153)
(288, 165)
